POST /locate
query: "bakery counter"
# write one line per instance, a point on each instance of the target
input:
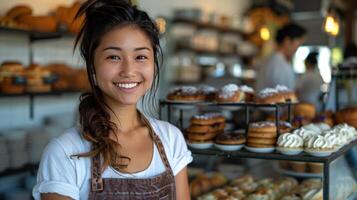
(277, 156)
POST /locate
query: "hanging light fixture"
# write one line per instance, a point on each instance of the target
(264, 33)
(332, 23)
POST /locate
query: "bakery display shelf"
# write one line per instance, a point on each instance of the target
(26, 168)
(303, 157)
(32, 96)
(277, 156)
(207, 52)
(251, 104)
(203, 25)
(35, 35)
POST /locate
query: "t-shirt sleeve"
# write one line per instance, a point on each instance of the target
(56, 173)
(181, 155)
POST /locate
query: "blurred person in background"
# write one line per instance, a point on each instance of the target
(277, 69)
(309, 85)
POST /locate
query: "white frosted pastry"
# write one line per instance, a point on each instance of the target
(323, 126)
(313, 127)
(304, 133)
(346, 131)
(334, 138)
(290, 141)
(319, 142)
(228, 90)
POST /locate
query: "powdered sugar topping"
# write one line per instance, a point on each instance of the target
(207, 116)
(228, 90)
(268, 92)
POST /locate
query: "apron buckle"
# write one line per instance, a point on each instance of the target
(97, 185)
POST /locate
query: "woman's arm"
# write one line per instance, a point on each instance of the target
(182, 191)
(53, 196)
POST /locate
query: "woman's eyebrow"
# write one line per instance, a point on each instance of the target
(120, 49)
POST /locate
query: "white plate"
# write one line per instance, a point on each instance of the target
(319, 153)
(200, 145)
(289, 152)
(225, 147)
(260, 150)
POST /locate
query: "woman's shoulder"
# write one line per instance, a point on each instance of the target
(71, 141)
(165, 130)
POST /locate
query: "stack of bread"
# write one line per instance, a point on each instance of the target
(205, 127)
(262, 134)
(65, 75)
(21, 17)
(12, 78)
(36, 79)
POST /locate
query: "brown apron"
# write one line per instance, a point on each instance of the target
(161, 186)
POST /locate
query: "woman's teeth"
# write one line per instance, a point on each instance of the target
(126, 85)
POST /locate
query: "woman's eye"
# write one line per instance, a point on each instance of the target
(141, 57)
(113, 57)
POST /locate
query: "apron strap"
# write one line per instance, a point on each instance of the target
(97, 180)
(157, 142)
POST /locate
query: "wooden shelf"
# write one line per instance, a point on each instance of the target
(35, 35)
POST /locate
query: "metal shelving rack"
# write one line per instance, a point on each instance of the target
(337, 77)
(267, 156)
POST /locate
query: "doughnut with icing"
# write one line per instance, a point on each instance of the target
(230, 139)
(185, 93)
(207, 119)
(263, 126)
(230, 94)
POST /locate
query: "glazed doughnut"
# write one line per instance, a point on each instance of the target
(201, 136)
(289, 95)
(249, 95)
(264, 126)
(185, 93)
(230, 94)
(262, 134)
(200, 129)
(270, 96)
(207, 119)
(250, 144)
(209, 92)
(254, 140)
(230, 139)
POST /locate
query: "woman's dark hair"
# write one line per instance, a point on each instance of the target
(100, 17)
(291, 31)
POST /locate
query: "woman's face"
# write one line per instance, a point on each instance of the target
(124, 65)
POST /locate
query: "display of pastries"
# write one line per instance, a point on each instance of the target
(205, 127)
(270, 96)
(12, 78)
(261, 135)
(185, 93)
(230, 138)
(347, 115)
(209, 92)
(230, 94)
(36, 76)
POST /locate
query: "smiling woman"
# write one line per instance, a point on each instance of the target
(116, 146)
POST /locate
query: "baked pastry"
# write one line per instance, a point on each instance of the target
(270, 96)
(249, 94)
(230, 138)
(284, 127)
(305, 110)
(65, 76)
(264, 126)
(185, 93)
(207, 119)
(18, 11)
(347, 115)
(289, 141)
(12, 79)
(39, 23)
(36, 75)
(319, 143)
(209, 92)
(230, 94)
(289, 95)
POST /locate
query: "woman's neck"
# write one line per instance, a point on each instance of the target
(126, 118)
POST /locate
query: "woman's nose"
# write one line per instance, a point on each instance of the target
(127, 68)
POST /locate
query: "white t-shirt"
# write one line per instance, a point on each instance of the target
(61, 174)
(276, 70)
